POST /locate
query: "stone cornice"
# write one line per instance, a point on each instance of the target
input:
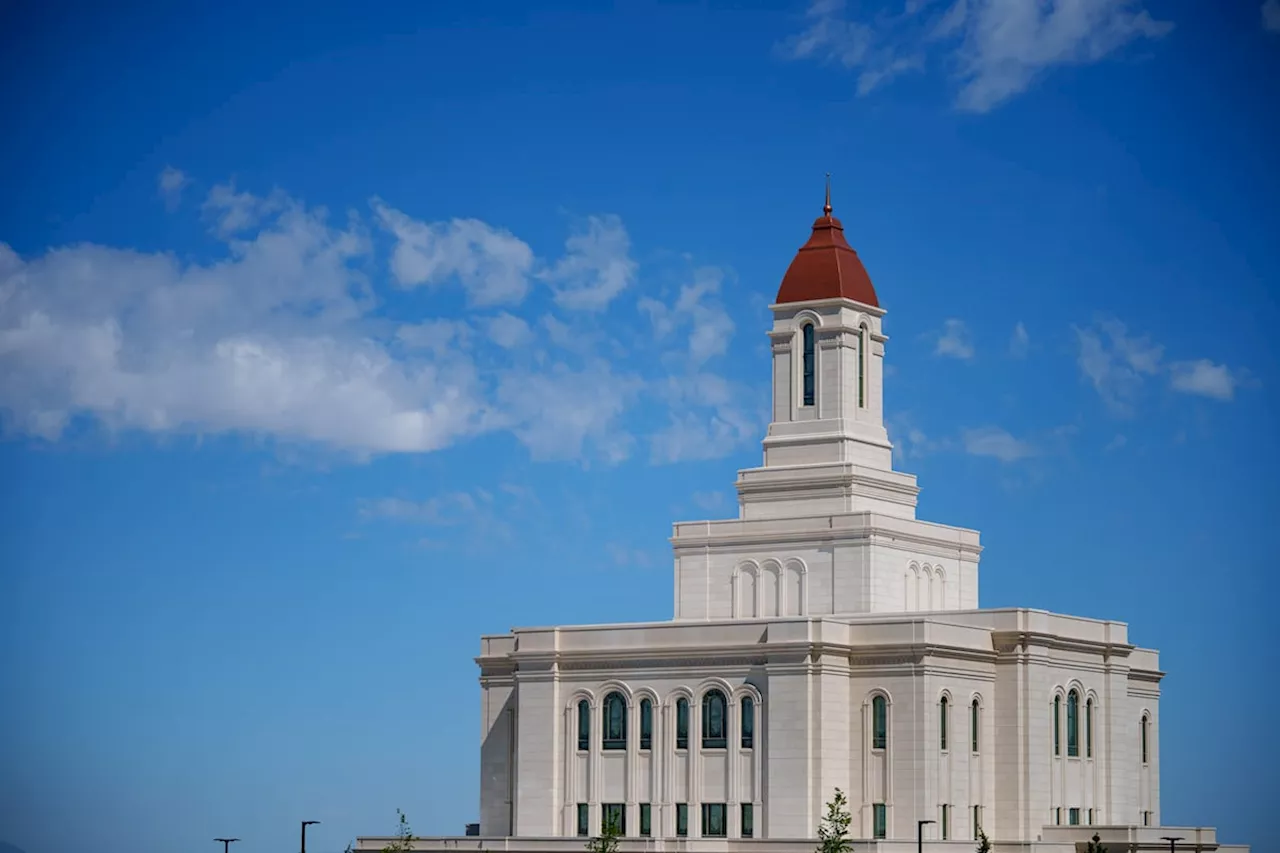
(833, 535)
(838, 302)
(1021, 642)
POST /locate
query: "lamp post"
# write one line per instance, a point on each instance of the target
(920, 834)
(226, 843)
(305, 824)
(1173, 842)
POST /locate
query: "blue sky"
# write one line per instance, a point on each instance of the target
(332, 337)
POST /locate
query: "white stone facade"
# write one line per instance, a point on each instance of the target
(853, 631)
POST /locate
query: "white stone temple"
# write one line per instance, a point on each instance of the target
(825, 638)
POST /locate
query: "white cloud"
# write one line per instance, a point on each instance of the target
(492, 264)
(997, 48)
(509, 331)
(955, 340)
(697, 307)
(596, 267)
(1203, 378)
(445, 510)
(1117, 364)
(169, 184)
(1020, 341)
(998, 443)
(284, 337)
(1116, 443)
(709, 501)
(1271, 16)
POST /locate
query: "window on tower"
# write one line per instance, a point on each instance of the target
(862, 367)
(1073, 724)
(714, 707)
(879, 723)
(615, 722)
(809, 360)
(584, 725)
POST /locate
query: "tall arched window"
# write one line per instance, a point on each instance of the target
(879, 723)
(615, 721)
(1088, 728)
(748, 722)
(1146, 724)
(943, 706)
(809, 360)
(862, 367)
(973, 726)
(713, 720)
(584, 725)
(682, 723)
(1057, 725)
(1073, 724)
(646, 724)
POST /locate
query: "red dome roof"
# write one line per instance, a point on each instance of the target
(827, 267)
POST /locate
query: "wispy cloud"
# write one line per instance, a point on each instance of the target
(1118, 364)
(955, 341)
(1271, 16)
(169, 185)
(996, 48)
(1019, 341)
(996, 443)
(285, 336)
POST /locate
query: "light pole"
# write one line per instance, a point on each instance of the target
(1173, 842)
(226, 843)
(920, 834)
(305, 824)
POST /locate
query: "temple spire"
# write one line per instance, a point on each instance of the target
(826, 208)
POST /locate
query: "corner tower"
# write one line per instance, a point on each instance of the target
(827, 450)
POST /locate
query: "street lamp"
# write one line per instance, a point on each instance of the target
(920, 834)
(226, 843)
(1173, 842)
(305, 824)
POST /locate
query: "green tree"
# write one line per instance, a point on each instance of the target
(1095, 845)
(607, 841)
(984, 843)
(833, 831)
(404, 837)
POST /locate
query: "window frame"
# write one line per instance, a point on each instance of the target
(584, 725)
(1088, 727)
(713, 697)
(1073, 723)
(613, 738)
(584, 820)
(879, 722)
(944, 706)
(619, 809)
(682, 820)
(1144, 725)
(975, 724)
(747, 820)
(808, 364)
(707, 811)
(747, 722)
(682, 723)
(1057, 726)
(646, 820)
(646, 723)
(879, 820)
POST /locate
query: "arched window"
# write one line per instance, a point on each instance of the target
(584, 725)
(713, 720)
(615, 721)
(1057, 725)
(862, 367)
(646, 724)
(879, 723)
(809, 361)
(1146, 724)
(942, 723)
(1088, 728)
(682, 723)
(1073, 724)
(748, 722)
(973, 726)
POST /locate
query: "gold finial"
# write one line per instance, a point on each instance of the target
(826, 208)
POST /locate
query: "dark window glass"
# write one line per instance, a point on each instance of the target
(1073, 724)
(646, 825)
(615, 722)
(682, 723)
(1088, 729)
(878, 820)
(1057, 726)
(748, 821)
(942, 721)
(973, 726)
(584, 725)
(583, 826)
(613, 814)
(713, 822)
(682, 819)
(879, 723)
(748, 722)
(862, 368)
(646, 724)
(809, 360)
(1145, 723)
(1073, 817)
(713, 720)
